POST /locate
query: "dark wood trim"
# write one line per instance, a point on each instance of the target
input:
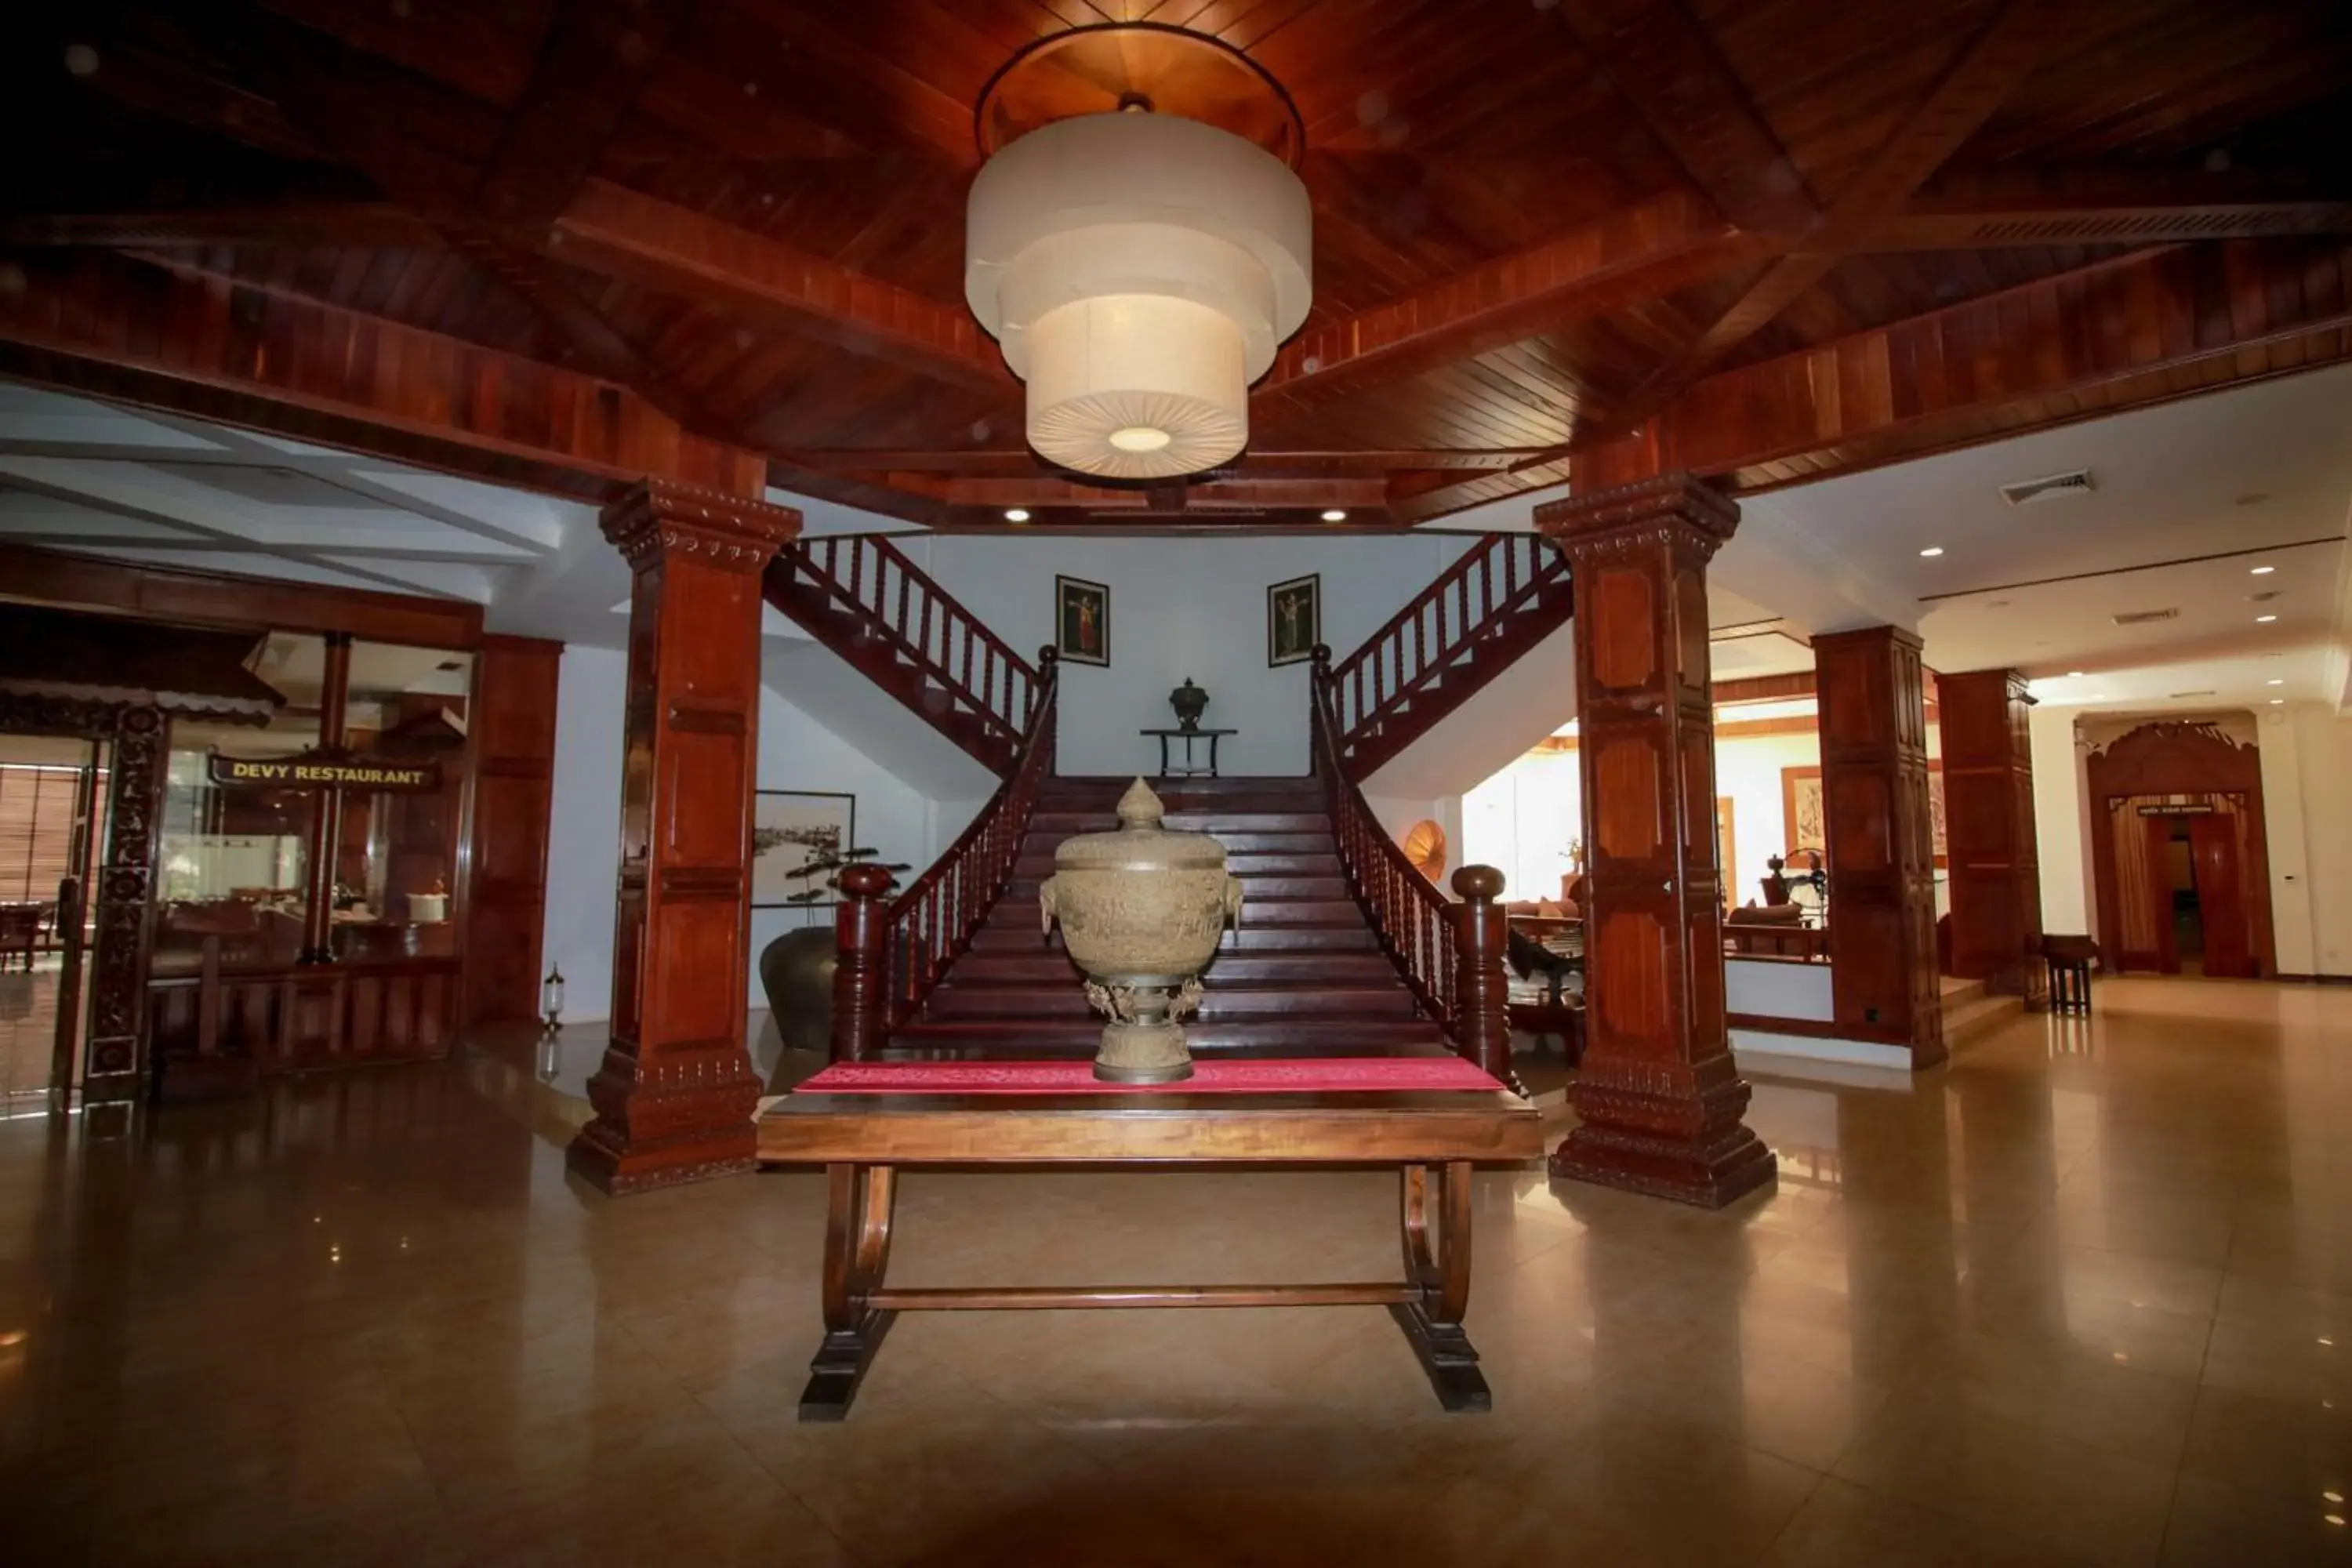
(191, 597)
(1759, 687)
(2315, 979)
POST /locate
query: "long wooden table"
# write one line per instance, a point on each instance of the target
(1430, 1118)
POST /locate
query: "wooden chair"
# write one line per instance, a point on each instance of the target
(20, 933)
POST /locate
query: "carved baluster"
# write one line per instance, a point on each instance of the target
(1487, 583)
(905, 587)
(923, 637)
(861, 925)
(1481, 990)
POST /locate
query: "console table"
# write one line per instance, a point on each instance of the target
(1430, 1118)
(1189, 771)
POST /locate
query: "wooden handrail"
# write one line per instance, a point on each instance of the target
(893, 598)
(1450, 954)
(1471, 598)
(892, 954)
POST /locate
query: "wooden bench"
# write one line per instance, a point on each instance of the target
(1430, 1118)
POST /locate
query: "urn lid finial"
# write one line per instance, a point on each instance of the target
(1139, 808)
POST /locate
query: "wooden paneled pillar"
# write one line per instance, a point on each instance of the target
(1881, 912)
(675, 1094)
(512, 726)
(1658, 1098)
(1995, 876)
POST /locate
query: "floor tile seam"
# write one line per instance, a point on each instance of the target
(736, 1439)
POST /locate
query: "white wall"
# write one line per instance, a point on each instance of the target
(1179, 607)
(583, 828)
(1775, 988)
(2062, 823)
(583, 835)
(1521, 821)
(2323, 746)
(1748, 769)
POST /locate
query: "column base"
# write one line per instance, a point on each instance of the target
(618, 1169)
(1705, 1174)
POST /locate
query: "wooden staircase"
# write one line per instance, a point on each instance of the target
(1475, 621)
(859, 595)
(1303, 975)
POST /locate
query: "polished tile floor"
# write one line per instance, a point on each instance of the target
(2084, 1295)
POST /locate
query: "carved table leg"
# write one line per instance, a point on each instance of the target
(1433, 1323)
(858, 1201)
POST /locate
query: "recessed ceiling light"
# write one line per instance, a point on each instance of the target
(2261, 570)
(2275, 701)
(1933, 550)
(1335, 515)
(2280, 682)
(2265, 620)
(1016, 515)
(2073, 675)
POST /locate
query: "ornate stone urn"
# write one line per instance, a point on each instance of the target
(1141, 912)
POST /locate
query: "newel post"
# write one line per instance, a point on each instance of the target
(862, 924)
(1481, 991)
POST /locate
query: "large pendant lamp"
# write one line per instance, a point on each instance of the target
(1140, 270)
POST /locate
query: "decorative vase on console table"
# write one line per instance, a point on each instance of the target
(1189, 702)
(1143, 910)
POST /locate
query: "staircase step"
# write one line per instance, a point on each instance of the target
(1320, 888)
(1029, 1039)
(1234, 829)
(1257, 938)
(1251, 868)
(1018, 911)
(1243, 968)
(957, 998)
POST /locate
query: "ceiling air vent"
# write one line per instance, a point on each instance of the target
(2142, 617)
(2051, 487)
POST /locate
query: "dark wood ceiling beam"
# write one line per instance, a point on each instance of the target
(194, 342)
(1668, 72)
(612, 229)
(1046, 492)
(1655, 247)
(594, 63)
(1987, 71)
(2124, 333)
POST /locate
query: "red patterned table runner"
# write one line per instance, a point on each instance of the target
(1294, 1076)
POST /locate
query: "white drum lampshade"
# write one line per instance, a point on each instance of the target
(1140, 270)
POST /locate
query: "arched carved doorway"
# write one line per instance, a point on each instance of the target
(2177, 823)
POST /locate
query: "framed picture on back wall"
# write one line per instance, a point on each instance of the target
(1294, 619)
(1081, 620)
(790, 828)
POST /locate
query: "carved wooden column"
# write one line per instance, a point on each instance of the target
(1658, 1098)
(1482, 995)
(1873, 725)
(114, 1067)
(326, 806)
(674, 1096)
(1995, 876)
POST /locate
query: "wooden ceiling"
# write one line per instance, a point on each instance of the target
(564, 241)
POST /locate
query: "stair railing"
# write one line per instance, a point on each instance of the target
(893, 953)
(1450, 954)
(1501, 573)
(872, 578)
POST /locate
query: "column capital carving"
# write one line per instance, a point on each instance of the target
(660, 518)
(1669, 508)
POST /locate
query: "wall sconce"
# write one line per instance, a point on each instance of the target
(551, 1003)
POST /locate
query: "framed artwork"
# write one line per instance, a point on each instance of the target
(1081, 620)
(1800, 808)
(790, 828)
(1294, 619)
